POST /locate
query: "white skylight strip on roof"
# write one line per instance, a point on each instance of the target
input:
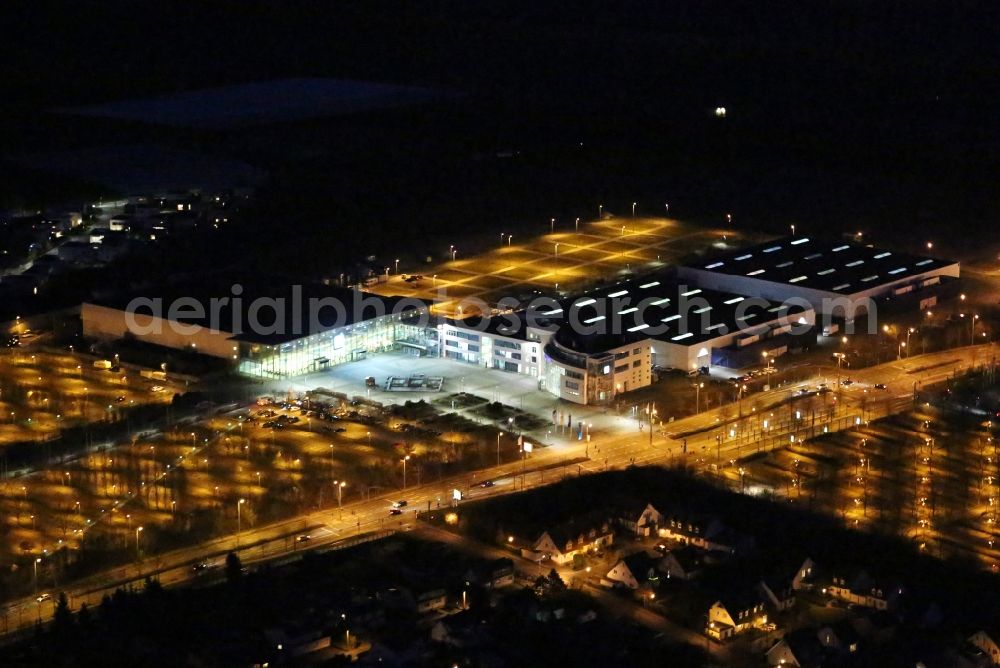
(649, 285)
(855, 263)
(638, 327)
(734, 300)
(703, 309)
(882, 255)
(898, 270)
(813, 256)
(661, 302)
(755, 272)
(800, 241)
(744, 257)
(840, 248)
(868, 279)
(691, 292)
(779, 307)
(586, 302)
(715, 265)
(842, 286)
(670, 318)
(714, 327)
(632, 309)
(797, 279)
(784, 264)
(620, 293)
(680, 337)
(825, 272)
(923, 262)
(747, 316)
(772, 249)
(590, 321)
(554, 312)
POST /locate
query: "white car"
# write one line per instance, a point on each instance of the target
(156, 388)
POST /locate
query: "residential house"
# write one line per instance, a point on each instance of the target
(684, 563)
(493, 574)
(689, 530)
(779, 595)
(735, 614)
(840, 637)
(862, 590)
(429, 600)
(637, 570)
(644, 523)
(562, 545)
(988, 642)
(781, 654)
(799, 648)
(805, 576)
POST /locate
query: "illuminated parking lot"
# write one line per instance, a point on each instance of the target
(563, 261)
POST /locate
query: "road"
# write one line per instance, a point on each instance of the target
(856, 402)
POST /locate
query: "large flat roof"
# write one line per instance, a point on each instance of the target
(657, 306)
(285, 310)
(821, 264)
(662, 308)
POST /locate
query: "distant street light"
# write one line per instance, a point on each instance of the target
(397, 265)
(552, 225)
(600, 212)
(404, 460)
(239, 520)
(577, 225)
(633, 209)
(138, 554)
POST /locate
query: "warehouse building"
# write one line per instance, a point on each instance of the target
(608, 340)
(840, 279)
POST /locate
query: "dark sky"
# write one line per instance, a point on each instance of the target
(838, 111)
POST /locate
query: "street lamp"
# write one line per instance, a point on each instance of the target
(793, 230)
(35, 563)
(397, 265)
(340, 490)
(633, 210)
(239, 520)
(577, 225)
(404, 460)
(138, 530)
(697, 397)
(499, 434)
(552, 226)
(600, 212)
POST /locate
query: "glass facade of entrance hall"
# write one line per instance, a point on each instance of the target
(325, 349)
